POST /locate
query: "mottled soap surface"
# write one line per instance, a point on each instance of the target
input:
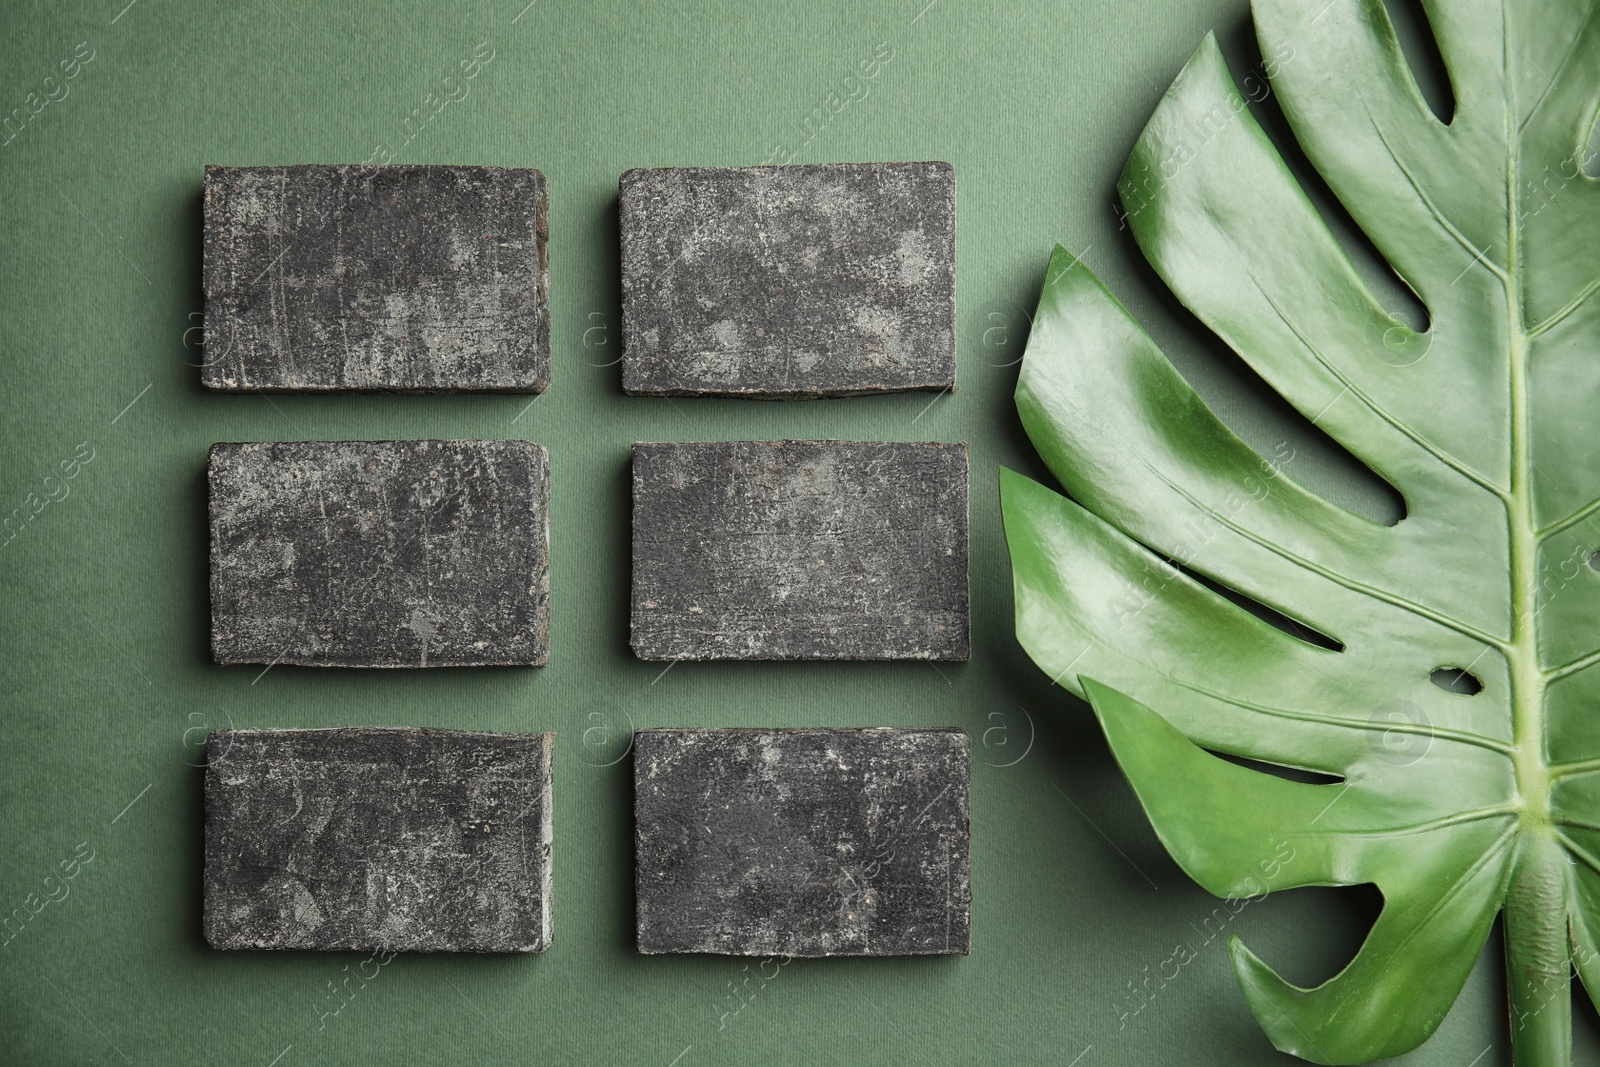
(380, 553)
(845, 550)
(376, 278)
(378, 839)
(789, 282)
(807, 842)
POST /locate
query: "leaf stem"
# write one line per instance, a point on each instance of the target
(1538, 964)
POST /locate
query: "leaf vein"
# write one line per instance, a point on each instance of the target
(1429, 826)
(1341, 580)
(1464, 737)
(1557, 317)
(1379, 410)
(1427, 201)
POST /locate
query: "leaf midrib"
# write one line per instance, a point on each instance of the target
(1528, 679)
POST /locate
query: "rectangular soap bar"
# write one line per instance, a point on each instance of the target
(789, 282)
(844, 550)
(802, 842)
(386, 279)
(380, 553)
(366, 839)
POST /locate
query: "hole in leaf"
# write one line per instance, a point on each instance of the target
(1391, 291)
(1240, 397)
(1301, 451)
(1276, 928)
(1421, 49)
(1456, 680)
(1421, 52)
(1594, 560)
(1292, 774)
(1268, 615)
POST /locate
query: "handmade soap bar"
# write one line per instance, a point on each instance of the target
(378, 840)
(789, 282)
(802, 842)
(800, 550)
(380, 553)
(392, 279)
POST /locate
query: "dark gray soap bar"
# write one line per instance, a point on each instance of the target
(380, 553)
(378, 840)
(845, 550)
(789, 282)
(802, 842)
(385, 279)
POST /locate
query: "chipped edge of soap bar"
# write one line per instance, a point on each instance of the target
(219, 742)
(535, 385)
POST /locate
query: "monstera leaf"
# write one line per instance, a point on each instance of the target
(1457, 805)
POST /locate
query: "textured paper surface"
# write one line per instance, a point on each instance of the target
(108, 687)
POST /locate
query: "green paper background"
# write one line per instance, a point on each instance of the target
(108, 688)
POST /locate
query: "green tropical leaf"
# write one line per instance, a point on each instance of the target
(1456, 805)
